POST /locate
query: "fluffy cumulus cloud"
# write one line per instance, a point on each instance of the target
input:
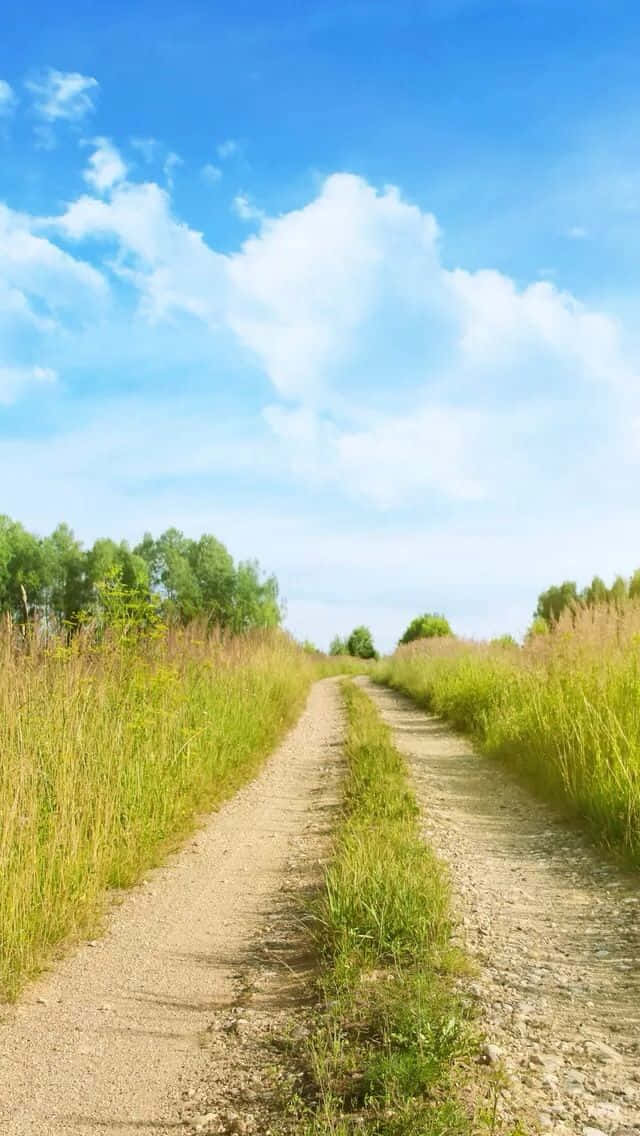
(396, 377)
(63, 95)
(49, 279)
(106, 166)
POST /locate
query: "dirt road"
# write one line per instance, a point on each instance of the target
(111, 1041)
(553, 927)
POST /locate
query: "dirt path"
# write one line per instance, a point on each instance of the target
(553, 927)
(115, 1040)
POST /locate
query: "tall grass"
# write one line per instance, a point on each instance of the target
(387, 1054)
(107, 753)
(564, 710)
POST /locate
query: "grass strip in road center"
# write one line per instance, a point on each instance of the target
(392, 1050)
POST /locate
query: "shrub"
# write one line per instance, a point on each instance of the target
(427, 626)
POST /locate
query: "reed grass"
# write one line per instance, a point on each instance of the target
(107, 755)
(563, 710)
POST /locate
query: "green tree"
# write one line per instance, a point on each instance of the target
(596, 593)
(555, 600)
(427, 626)
(214, 575)
(338, 646)
(22, 566)
(618, 591)
(539, 626)
(67, 589)
(505, 641)
(634, 585)
(360, 644)
(255, 600)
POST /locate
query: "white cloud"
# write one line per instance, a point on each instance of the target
(304, 288)
(14, 380)
(106, 166)
(172, 162)
(243, 208)
(170, 264)
(210, 173)
(63, 95)
(500, 323)
(8, 99)
(396, 365)
(577, 233)
(390, 460)
(227, 149)
(37, 268)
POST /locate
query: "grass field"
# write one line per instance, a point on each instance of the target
(388, 1055)
(564, 710)
(107, 755)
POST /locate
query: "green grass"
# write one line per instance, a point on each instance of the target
(564, 711)
(107, 756)
(391, 1050)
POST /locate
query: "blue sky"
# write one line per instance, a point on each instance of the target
(353, 286)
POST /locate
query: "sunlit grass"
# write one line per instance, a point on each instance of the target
(388, 1053)
(106, 757)
(564, 710)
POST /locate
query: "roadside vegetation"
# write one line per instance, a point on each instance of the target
(564, 709)
(112, 740)
(359, 644)
(390, 1052)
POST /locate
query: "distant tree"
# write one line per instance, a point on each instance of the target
(555, 600)
(256, 601)
(360, 644)
(338, 646)
(171, 577)
(427, 626)
(504, 641)
(214, 574)
(22, 566)
(539, 626)
(618, 591)
(67, 590)
(634, 585)
(596, 593)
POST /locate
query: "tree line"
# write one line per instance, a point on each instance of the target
(560, 597)
(360, 642)
(56, 579)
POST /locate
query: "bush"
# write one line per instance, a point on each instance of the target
(427, 626)
(360, 644)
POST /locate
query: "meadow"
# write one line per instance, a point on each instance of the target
(110, 750)
(563, 710)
